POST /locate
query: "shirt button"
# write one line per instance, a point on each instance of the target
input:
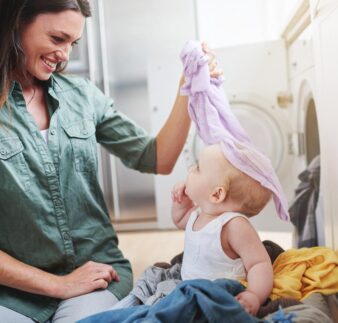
(53, 132)
(58, 202)
(84, 131)
(2, 152)
(66, 236)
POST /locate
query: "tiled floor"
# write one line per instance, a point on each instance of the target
(147, 247)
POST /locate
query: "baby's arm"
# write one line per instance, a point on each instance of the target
(182, 205)
(244, 240)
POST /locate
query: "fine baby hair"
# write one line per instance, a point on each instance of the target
(246, 192)
(227, 186)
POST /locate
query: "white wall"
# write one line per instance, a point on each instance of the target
(232, 22)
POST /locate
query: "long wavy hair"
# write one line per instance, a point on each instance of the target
(13, 15)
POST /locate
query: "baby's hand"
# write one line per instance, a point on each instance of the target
(249, 301)
(178, 194)
(181, 205)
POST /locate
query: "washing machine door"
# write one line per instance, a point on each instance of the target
(267, 127)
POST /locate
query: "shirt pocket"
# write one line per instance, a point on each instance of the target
(13, 166)
(81, 135)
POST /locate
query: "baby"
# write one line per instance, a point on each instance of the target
(213, 207)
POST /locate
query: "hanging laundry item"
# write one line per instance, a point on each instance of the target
(216, 123)
(303, 208)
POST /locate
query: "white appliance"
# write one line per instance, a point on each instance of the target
(324, 23)
(304, 112)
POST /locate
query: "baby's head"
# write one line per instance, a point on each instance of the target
(217, 186)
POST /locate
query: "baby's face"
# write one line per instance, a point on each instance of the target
(206, 174)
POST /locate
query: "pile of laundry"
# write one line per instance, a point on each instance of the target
(301, 279)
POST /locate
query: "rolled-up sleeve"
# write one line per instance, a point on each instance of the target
(126, 140)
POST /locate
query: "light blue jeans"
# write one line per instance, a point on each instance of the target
(69, 310)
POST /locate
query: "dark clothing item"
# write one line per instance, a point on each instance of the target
(303, 208)
(313, 310)
(195, 301)
(273, 306)
(52, 211)
(273, 249)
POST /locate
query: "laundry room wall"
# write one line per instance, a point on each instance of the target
(230, 23)
(143, 41)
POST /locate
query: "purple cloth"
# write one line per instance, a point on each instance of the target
(216, 123)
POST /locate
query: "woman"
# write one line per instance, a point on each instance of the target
(59, 259)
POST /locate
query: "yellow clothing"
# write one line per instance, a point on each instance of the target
(300, 272)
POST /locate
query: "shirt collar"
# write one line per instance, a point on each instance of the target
(50, 83)
(12, 86)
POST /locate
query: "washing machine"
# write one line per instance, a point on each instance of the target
(303, 114)
(255, 80)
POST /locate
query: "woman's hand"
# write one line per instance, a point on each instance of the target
(85, 279)
(171, 138)
(213, 69)
(249, 301)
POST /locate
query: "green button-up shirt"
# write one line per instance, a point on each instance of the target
(52, 212)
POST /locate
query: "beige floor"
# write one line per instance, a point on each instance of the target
(145, 248)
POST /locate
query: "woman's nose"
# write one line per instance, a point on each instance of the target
(64, 52)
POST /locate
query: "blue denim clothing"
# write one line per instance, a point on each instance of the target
(195, 301)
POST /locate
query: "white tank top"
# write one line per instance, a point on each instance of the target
(44, 134)
(203, 253)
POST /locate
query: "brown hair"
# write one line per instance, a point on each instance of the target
(13, 15)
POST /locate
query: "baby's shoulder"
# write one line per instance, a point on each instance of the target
(231, 218)
(237, 225)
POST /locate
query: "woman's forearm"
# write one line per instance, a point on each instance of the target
(171, 138)
(16, 274)
(84, 279)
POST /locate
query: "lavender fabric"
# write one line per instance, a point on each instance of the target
(216, 123)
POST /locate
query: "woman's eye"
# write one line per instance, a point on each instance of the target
(57, 39)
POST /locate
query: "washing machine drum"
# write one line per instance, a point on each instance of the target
(262, 126)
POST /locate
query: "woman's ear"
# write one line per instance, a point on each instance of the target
(218, 195)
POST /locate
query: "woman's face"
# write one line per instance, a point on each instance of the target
(48, 40)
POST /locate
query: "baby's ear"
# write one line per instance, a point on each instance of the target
(218, 195)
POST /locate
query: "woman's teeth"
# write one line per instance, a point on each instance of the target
(49, 63)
